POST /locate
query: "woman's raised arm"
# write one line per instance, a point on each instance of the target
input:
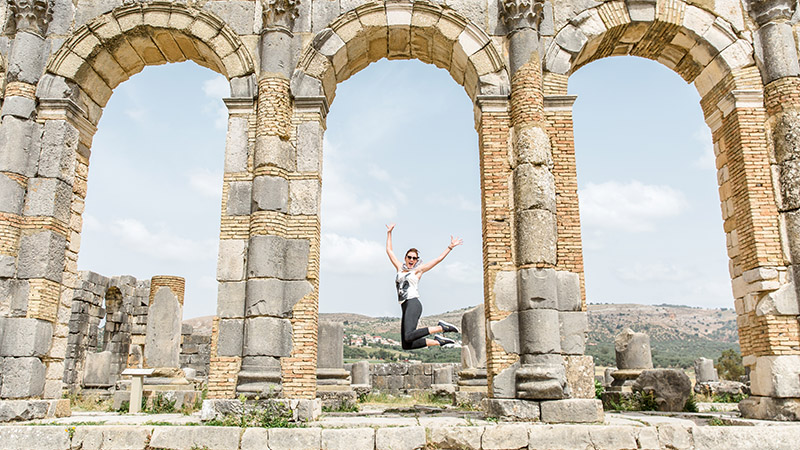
(454, 242)
(397, 265)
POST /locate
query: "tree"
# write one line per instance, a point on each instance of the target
(729, 365)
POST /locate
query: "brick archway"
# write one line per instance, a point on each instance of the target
(711, 53)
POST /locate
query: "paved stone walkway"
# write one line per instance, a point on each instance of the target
(402, 428)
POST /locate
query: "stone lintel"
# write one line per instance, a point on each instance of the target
(67, 109)
(239, 105)
(315, 104)
(559, 102)
(490, 104)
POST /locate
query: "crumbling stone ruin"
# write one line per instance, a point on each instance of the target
(62, 60)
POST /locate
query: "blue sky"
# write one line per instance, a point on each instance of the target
(401, 147)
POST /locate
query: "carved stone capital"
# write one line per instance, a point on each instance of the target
(30, 15)
(518, 14)
(279, 13)
(765, 11)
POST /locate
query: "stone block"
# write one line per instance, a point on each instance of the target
(97, 370)
(744, 438)
(330, 349)
(240, 198)
(110, 437)
(568, 291)
(21, 107)
(303, 85)
(537, 288)
(231, 336)
(571, 437)
(8, 267)
(12, 195)
(781, 302)
(572, 410)
(273, 151)
(34, 438)
(769, 408)
(670, 387)
(400, 438)
(230, 299)
(48, 197)
(789, 176)
(231, 259)
(536, 237)
(571, 39)
(785, 138)
(270, 194)
(512, 409)
(773, 39)
(532, 146)
(776, 376)
(534, 188)
(348, 439)
(539, 331)
(239, 15)
(236, 145)
(21, 377)
(633, 350)
(304, 197)
(704, 370)
(25, 337)
(41, 255)
(186, 438)
(504, 382)
(541, 377)
(163, 337)
(273, 297)
(59, 145)
(506, 437)
(295, 439)
(267, 336)
(309, 147)
(505, 291)
(19, 146)
(574, 327)
(579, 371)
(675, 436)
(506, 333)
(276, 257)
(473, 338)
(27, 58)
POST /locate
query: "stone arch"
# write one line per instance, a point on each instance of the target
(111, 48)
(420, 30)
(698, 45)
(718, 59)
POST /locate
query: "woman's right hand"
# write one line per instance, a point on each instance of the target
(389, 228)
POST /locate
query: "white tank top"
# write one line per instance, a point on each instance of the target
(407, 283)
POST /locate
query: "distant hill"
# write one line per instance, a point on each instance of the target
(678, 334)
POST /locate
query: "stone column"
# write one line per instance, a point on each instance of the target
(330, 363)
(279, 349)
(162, 346)
(541, 374)
(228, 329)
(774, 365)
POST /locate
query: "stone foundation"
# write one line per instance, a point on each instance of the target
(18, 410)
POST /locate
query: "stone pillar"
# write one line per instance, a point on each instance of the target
(541, 374)
(330, 362)
(360, 376)
(227, 339)
(472, 376)
(633, 355)
(164, 317)
(704, 371)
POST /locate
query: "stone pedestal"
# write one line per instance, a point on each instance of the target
(704, 371)
(472, 380)
(549, 411)
(633, 357)
(333, 381)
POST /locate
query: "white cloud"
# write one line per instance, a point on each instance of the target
(632, 206)
(463, 273)
(216, 89)
(347, 206)
(207, 182)
(162, 244)
(349, 255)
(90, 223)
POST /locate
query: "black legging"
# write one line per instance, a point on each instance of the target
(411, 336)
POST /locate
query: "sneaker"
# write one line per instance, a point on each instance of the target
(447, 327)
(444, 342)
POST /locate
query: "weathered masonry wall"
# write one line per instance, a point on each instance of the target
(284, 58)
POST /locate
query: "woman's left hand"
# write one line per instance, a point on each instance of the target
(454, 241)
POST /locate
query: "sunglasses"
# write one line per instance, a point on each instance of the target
(412, 258)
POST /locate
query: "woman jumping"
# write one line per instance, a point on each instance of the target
(408, 275)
